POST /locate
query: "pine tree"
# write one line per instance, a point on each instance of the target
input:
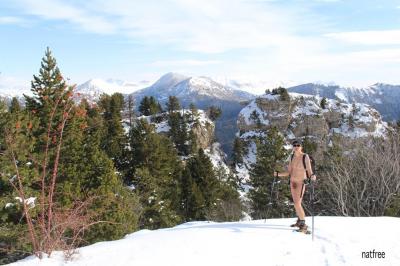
(173, 104)
(237, 154)
(179, 133)
(73, 160)
(270, 154)
(214, 112)
(156, 171)
(204, 192)
(188, 203)
(255, 116)
(283, 93)
(49, 89)
(323, 103)
(229, 206)
(130, 106)
(114, 141)
(192, 140)
(149, 106)
(144, 107)
(15, 107)
(194, 112)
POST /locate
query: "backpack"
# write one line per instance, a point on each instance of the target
(312, 162)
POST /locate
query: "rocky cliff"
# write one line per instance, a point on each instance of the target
(302, 116)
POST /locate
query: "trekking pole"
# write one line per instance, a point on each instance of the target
(270, 196)
(312, 208)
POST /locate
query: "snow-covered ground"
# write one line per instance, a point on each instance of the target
(338, 241)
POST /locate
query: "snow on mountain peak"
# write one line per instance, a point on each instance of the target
(169, 80)
(189, 88)
(93, 88)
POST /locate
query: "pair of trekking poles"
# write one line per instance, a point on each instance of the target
(309, 181)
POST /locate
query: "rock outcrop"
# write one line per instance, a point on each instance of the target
(302, 116)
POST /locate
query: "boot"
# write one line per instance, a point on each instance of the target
(303, 228)
(297, 224)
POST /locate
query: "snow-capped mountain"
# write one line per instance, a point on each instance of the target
(93, 88)
(7, 98)
(383, 97)
(203, 92)
(190, 89)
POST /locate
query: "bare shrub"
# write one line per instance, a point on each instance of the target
(364, 181)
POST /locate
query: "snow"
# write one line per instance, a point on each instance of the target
(308, 108)
(164, 127)
(131, 187)
(249, 109)
(341, 94)
(337, 241)
(270, 96)
(188, 89)
(29, 201)
(217, 156)
(95, 87)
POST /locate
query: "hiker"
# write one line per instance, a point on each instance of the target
(297, 172)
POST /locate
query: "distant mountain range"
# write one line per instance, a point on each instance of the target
(383, 97)
(191, 89)
(231, 97)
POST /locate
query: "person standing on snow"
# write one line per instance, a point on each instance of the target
(297, 173)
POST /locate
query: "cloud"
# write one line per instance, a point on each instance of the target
(263, 39)
(59, 10)
(382, 37)
(13, 86)
(13, 20)
(182, 63)
(207, 26)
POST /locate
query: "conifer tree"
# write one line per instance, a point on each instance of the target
(149, 106)
(214, 112)
(270, 154)
(130, 105)
(194, 112)
(323, 103)
(156, 171)
(144, 107)
(179, 132)
(114, 141)
(203, 194)
(237, 153)
(283, 93)
(173, 104)
(255, 116)
(61, 164)
(15, 107)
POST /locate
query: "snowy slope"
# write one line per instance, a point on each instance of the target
(338, 241)
(190, 89)
(383, 97)
(306, 110)
(93, 88)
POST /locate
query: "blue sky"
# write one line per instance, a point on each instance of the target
(351, 43)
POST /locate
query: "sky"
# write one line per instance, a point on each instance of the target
(268, 42)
